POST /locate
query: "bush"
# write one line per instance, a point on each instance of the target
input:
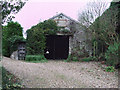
(101, 57)
(110, 69)
(112, 54)
(92, 58)
(35, 41)
(65, 31)
(75, 58)
(36, 36)
(71, 58)
(87, 59)
(79, 52)
(68, 59)
(11, 34)
(35, 58)
(13, 41)
(9, 81)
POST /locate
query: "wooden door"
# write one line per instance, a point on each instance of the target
(57, 47)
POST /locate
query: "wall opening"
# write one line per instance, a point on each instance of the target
(57, 47)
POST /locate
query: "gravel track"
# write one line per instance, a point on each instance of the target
(60, 74)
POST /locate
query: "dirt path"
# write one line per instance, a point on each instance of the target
(60, 74)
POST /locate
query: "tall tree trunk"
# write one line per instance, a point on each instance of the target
(0, 32)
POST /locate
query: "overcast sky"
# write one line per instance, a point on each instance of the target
(35, 11)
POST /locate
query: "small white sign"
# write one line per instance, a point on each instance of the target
(47, 52)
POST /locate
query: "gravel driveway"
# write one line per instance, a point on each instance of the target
(60, 74)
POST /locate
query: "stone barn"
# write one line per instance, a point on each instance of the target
(70, 36)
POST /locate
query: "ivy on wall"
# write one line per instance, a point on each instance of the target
(36, 40)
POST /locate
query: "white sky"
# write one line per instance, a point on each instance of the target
(35, 11)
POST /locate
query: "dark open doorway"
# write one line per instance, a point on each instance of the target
(57, 47)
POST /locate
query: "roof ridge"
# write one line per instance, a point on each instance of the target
(63, 15)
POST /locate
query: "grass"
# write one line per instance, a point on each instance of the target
(36, 59)
(41, 61)
(9, 81)
(66, 60)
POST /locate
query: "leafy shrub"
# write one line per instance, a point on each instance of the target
(78, 53)
(65, 31)
(92, 58)
(9, 81)
(101, 57)
(71, 58)
(11, 34)
(75, 58)
(112, 54)
(13, 41)
(36, 36)
(41, 61)
(87, 59)
(110, 69)
(35, 41)
(81, 52)
(35, 58)
(68, 59)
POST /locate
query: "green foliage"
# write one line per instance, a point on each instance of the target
(110, 69)
(36, 40)
(91, 58)
(12, 33)
(101, 57)
(35, 58)
(87, 59)
(41, 61)
(75, 59)
(68, 59)
(115, 4)
(9, 8)
(112, 54)
(11, 29)
(48, 26)
(104, 29)
(78, 53)
(94, 58)
(65, 31)
(9, 81)
(72, 58)
(13, 41)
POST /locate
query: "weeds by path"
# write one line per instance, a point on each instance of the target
(9, 81)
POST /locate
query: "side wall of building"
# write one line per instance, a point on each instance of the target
(80, 39)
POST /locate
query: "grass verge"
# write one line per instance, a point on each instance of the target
(9, 81)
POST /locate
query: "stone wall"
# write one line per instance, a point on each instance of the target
(79, 38)
(14, 55)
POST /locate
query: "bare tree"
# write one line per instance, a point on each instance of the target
(94, 10)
